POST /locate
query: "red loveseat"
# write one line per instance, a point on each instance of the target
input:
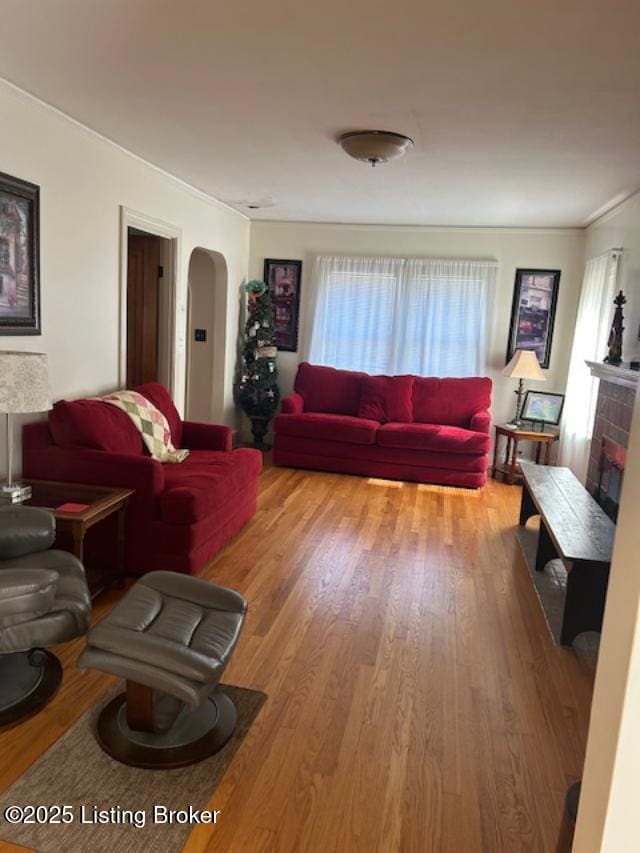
(181, 514)
(415, 428)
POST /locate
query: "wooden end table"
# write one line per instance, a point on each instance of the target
(509, 467)
(101, 501)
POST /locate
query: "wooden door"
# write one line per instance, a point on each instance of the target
(143, 271)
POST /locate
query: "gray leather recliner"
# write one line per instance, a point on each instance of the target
(44, 600)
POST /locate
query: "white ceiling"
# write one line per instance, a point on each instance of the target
(523, 112)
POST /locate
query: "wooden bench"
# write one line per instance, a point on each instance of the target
(574, 528)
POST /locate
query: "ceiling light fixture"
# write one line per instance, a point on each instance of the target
(254, 203)
(374, 146)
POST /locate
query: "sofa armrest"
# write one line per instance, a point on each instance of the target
(292, 404)
(198, 436)
(480, 422)
(97, 468)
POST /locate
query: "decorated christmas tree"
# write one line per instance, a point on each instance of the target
(258, 391)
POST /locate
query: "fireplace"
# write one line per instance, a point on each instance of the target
(613, 457)
(614, 409)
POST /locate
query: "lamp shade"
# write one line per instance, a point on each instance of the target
(524, 365)
(24, 382)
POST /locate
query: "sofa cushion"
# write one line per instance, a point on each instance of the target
(445, 476)
(447, 439)
(93, 425)
(161, 399)
(329, 427)
(205, 482)
(449, 401)
(387, 398)
(326, 389)
(318, 449)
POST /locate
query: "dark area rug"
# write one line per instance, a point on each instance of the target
(76, 772)
(550, 586)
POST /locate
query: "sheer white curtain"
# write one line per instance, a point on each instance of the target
(589, 344)
(393, 315)
(355, 306)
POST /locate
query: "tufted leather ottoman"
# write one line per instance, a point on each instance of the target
(171, 637)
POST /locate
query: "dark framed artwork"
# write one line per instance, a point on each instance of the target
(533, 311)
(283, 279)
(19, 257)
(542, 407)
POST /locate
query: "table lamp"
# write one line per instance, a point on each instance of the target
(24, 388)
(523, 365)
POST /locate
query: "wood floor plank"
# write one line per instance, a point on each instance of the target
(415, 699)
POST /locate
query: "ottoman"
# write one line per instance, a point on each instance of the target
(171, 637)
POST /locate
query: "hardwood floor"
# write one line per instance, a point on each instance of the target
(416, 701)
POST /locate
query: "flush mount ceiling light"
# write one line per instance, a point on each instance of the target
(253, 203)
(374, 146)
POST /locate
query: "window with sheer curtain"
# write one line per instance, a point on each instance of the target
(589, 344)
(398, 315)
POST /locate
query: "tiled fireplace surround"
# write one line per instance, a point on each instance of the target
(616, 397)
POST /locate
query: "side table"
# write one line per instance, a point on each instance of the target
(514, 435)
(99, 502)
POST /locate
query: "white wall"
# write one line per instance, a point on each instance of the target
(554, 249)
(83, 181)
(607, 818)
(621, 229)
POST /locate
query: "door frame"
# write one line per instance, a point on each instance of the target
(156, 227)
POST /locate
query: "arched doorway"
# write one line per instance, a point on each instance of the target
(206, 325)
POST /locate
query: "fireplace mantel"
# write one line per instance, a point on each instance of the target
(617, 375)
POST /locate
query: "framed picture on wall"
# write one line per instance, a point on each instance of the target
(19, 257)
(283, 279)
(535, 294)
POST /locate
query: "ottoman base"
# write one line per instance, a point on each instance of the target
(193, 736)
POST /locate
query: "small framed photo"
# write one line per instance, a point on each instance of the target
(542, 407)
(19, 257)
(283, 280)
(533, 311)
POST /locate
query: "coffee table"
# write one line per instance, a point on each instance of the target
(101, 502)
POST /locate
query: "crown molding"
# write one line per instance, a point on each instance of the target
(419, 229)
(190, 188)
(610, 208)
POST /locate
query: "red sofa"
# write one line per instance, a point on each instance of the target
(181, 514)
(400, 427)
